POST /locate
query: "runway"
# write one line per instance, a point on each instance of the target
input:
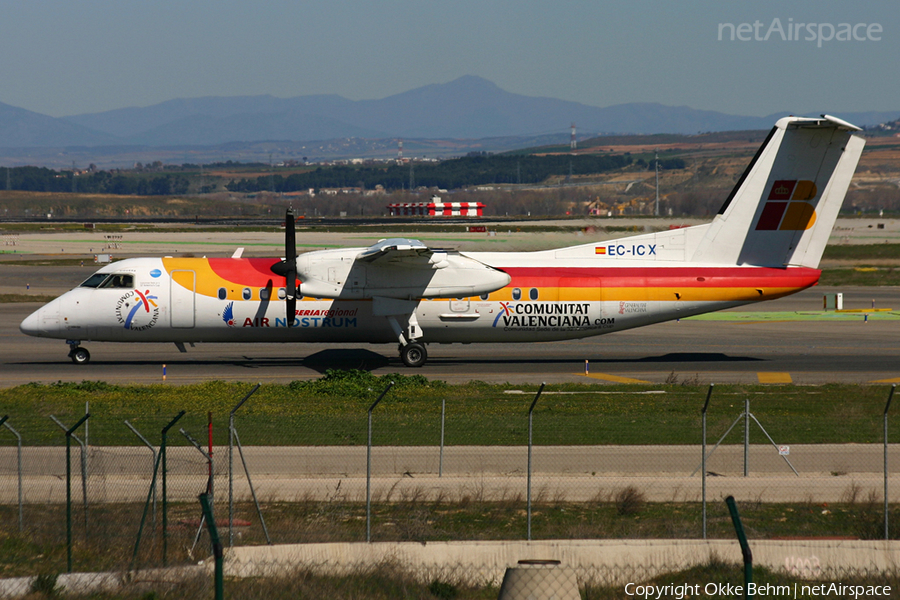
(778, 350)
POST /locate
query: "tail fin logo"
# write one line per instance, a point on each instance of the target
(787, 207)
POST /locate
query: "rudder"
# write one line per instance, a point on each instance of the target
(782, 210)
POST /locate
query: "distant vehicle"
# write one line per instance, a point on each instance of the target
(765, 242)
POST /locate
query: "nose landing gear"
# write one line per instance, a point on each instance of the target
(79, 355)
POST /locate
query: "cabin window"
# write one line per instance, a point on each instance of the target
(533, 293)
(223, 293)
(517, 294)
(246, 294)
(483, 296)
(263, 293)
(282, 293)
(118, 280)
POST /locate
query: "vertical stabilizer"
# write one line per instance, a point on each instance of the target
(782, 210)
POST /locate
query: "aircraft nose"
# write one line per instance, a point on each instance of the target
(32, 323)
(44, 322)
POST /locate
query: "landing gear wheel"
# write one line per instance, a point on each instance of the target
(80, 356)
(413, 355)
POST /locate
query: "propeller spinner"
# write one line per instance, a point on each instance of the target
(287, 268)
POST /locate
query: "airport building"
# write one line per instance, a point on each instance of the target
(436, 208)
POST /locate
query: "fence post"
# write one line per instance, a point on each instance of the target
(206, 505)
(703, 458)
(530, 423)
(19, 466)
(746, 554)
(886, 407)
(154, 463)
(369, 466)
(69, 433)
(165, 504)
(441, 455)
(82, 444)
(747, 437)
(232, 432)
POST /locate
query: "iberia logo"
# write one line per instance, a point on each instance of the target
(228, 314)
(788, 206)
(137, 311)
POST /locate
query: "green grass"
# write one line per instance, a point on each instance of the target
(333, 410)
(861, 251)
(861, 275)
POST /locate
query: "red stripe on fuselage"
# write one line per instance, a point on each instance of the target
(795, 277)
(252, 272)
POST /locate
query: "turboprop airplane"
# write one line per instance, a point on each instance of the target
(765, 242)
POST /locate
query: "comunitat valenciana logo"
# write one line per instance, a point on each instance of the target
(137, 310)
(797, 31)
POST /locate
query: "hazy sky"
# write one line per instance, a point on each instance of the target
(78, 56)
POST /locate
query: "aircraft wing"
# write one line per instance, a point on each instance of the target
(392, 249)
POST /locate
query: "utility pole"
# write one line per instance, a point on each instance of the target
(656, 211)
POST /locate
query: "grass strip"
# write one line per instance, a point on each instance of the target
(332, 411)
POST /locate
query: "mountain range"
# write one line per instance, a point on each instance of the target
(467, 108)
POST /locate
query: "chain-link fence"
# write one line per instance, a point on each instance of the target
(554, 468)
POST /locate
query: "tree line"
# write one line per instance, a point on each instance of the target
(474, 169)
(42, 179)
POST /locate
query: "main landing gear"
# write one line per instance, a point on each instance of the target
(413, 354)
(79, 355)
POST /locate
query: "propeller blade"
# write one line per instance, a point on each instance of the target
(291, 296)
(290, 238)
(287, 268)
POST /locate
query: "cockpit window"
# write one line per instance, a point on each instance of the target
(109, 280)
(118, 280)
(94, 280)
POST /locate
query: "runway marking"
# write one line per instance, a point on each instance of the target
(771, 377)
(613, 378)
(893, 380)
